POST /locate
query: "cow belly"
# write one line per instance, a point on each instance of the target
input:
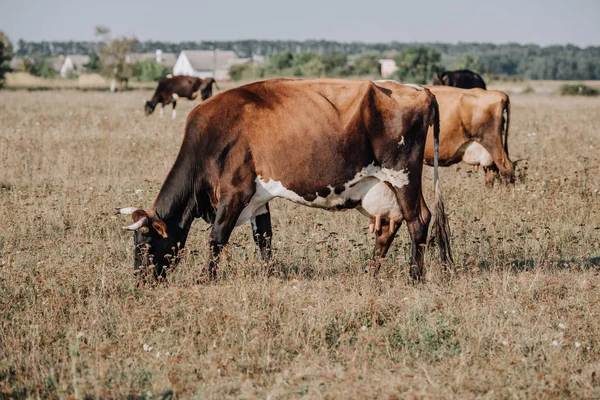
(366, 190)
(476, 154)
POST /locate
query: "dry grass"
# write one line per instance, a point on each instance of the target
(24, 80)
(517, 318)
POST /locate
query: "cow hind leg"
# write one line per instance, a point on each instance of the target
(262, 233)
(174, 113)
(228, 211)
(417, 217)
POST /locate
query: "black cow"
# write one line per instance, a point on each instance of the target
(462, 78)
(172, 88)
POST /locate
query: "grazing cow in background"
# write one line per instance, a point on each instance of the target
(172, 88)
(324, 143)
(474, 129)
(463, 78)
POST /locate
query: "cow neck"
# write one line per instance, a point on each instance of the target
(175, 205)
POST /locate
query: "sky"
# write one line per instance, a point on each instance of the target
(524, 21)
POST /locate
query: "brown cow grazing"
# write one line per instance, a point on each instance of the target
(462, 78)
(325, 143)
(172, 88)
(474, 129)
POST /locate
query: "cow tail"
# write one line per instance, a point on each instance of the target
(506, 124)
(441, 228)
(217, 86)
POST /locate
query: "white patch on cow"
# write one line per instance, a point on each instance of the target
(175, 96)
(401, 142)
(476, 154)
(169, 76)
(174, 114)
(358, 189)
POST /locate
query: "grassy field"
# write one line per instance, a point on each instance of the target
(518, 317)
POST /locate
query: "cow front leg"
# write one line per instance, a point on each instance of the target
(384, 236)
(490, 174)
(228, 211)
(174, 113)
(262, 233)
(162, 109)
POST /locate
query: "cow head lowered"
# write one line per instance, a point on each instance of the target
(149, 107)
(153, 244)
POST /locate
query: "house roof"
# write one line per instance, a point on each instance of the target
(167, 59)
(209, 59)
(79, 60)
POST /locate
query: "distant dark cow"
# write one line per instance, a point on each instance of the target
(463, 78)
(172, 88)
(324, 143)
(473, 129)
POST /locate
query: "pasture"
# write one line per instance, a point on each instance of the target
(518, 316)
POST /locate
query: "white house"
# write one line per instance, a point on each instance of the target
(205, 63)
(388, 67)
(73, 65)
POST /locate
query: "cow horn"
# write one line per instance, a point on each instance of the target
(137, 225)
(126, 210)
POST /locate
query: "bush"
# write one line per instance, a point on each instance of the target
(149, 71)
(367, 64)
(570, 89)
(42, 68)
(236, 72)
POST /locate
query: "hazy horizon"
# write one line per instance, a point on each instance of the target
(537, 22)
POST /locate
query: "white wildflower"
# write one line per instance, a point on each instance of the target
(562, 326)
(80, 335)
(505, 342)
(577, 344)
(554, 343)
(147, 347)
(363, 328)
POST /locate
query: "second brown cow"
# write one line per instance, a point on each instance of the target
(473, 129)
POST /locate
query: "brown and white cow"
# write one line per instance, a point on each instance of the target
(473, 129)
(172, 88)
(324, 143)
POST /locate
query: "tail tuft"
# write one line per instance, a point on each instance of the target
(441, 228)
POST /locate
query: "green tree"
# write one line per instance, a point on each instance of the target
(94, 64)
(417, 64)
(236, 71)
(335, 63)
(114, 56)
(313, 67)
(468, 61)
(6, 53)
(367, 64)
(149, 71)
(281, 63)
(41, 68)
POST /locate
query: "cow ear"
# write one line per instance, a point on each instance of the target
(161, 228)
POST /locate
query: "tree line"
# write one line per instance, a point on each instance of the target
(525, 61)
